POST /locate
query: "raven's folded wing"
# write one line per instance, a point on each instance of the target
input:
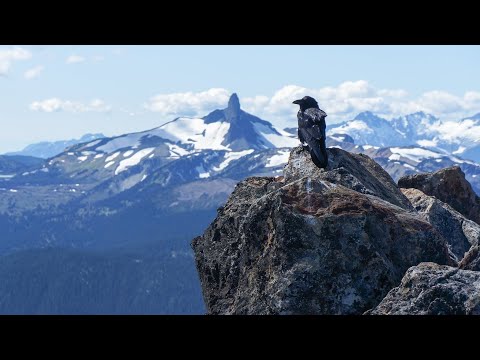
(315, 118)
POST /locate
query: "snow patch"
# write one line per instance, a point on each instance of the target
(414, 154)
(109, 164)
(280, 140)
(82, 158)
(202, 174)
(98, 156)
(230, 156)
(279, 159)
(394, 157)
(111, 157)
(93, 143)
(355, 125)
(460, 150)
(194, 131)
(128, 153)
(133, 160)
(176, 151)
(339, 139)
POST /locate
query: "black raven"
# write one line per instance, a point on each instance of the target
(311, 129)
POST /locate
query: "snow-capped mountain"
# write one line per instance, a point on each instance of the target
(231, 133)
(228, 143)
(47, 149)
(369, 129)
(413, 127)
(460, 138)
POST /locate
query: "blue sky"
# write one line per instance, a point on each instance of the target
(61, 92)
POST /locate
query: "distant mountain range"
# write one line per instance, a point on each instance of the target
(47, 149)
(418, 129)
(161, 187)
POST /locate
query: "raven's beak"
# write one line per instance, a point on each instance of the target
(297, 102)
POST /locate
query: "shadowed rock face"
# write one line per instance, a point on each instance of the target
(432, 289)
(471, 260)
(450, 186)
(331, 241)
(459, 232)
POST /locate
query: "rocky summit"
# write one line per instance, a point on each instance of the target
(317, 241)
(448, 185)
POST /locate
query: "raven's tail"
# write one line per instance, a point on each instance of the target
(319, 154)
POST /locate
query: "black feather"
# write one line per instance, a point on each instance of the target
(311, 130)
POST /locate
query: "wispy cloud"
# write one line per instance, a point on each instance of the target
(75, 59)
(7, 57)
(56, 104)
(188, 103)
(33, 72)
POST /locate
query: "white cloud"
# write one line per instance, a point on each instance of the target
(342, 102)
(440, 102)
(74, 59)
(393, 93)
(7, 57)
(188, 103)
(33, 72)
(346, 100)
(56, 104)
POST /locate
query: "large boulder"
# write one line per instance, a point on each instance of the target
(354, 171)
(331, 241)
(448, 185)
(432, 289)
(461, 234)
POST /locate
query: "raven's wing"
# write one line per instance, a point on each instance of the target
(314, 133)
(315, 119)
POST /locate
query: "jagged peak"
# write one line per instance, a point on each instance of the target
(234, 103)
(368, 115)
(419, 114)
